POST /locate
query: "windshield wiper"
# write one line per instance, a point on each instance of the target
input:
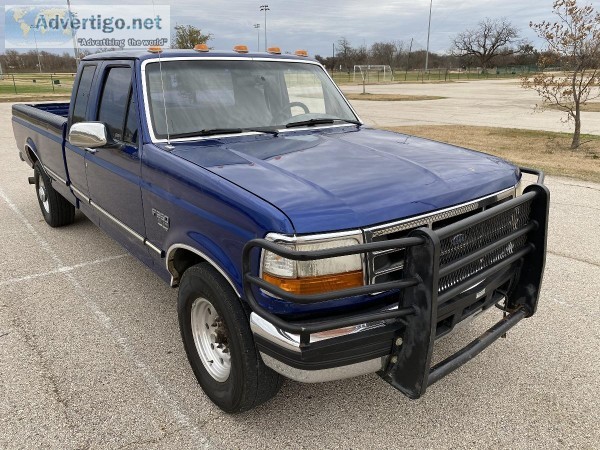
(272, 131)
(208, 132)
(322, 121)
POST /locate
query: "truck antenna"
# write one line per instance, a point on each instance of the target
(162, 86)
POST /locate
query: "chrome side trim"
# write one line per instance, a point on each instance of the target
(53, 175)
(175, 275)
(116, 221)
(78, 193)
(323, 375)
(155, 140)
(153, 247)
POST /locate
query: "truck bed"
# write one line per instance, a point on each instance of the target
(60, 109)
(40, 132)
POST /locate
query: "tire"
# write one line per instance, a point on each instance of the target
(57, 211)
(203, 293)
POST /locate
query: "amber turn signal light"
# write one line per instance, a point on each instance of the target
(201, 47)
(240, 49)
(317, 285)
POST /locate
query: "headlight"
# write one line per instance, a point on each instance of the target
(314, 277)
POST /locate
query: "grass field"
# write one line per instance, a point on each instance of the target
(540, 149)
(22, 87)
(588, 107)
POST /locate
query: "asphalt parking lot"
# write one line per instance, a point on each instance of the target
(490, 103)
(90, 353)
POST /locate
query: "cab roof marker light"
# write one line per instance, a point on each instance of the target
(302, 53)
(274, 50)
(240, 49)
(155, 49)
(201, 48)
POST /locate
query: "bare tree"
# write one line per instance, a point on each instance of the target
(575, 39)
(491, 38)
(344, 53)
(187, 36)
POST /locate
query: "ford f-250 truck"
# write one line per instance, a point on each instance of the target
(303, 243)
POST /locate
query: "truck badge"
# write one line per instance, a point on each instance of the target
(162, 219)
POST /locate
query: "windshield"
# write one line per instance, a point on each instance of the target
(200, 96)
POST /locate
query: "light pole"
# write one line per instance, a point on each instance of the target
(75, 49)
(265, 8)
(257, 26)
(428, 34)
(37, 50)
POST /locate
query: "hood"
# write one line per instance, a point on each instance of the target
(340, 179)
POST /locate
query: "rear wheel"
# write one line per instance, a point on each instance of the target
(219, 343)
(57, 211)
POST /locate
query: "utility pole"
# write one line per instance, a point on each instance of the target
(428, 35)
(257, 26)
(333, 57)
(408, 59)
(37, 50)
(265, 8)
(75, 49)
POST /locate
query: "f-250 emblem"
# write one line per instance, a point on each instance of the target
(162, 219)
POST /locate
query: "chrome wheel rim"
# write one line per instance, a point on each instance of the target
(211, 339)
(43, 195)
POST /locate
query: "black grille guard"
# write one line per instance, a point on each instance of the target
(409, 368)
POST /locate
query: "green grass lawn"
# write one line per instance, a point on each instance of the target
(9, 89)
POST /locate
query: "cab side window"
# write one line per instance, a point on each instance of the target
(83, 93)
(114, 100)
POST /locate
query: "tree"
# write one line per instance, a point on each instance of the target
(575, 39)
(343, 53)
(187, 36)
(491, 38)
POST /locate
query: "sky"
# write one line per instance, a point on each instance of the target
(316, 24)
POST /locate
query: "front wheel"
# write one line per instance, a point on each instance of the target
(57, 211)
(219, 343)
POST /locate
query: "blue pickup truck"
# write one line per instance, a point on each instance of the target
(304, 244)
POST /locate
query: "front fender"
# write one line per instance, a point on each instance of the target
(207, 249)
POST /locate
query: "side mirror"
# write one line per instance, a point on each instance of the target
(88, 134)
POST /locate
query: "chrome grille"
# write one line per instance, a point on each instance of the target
(388, 265)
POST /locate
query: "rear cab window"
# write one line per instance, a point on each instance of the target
(82, 97)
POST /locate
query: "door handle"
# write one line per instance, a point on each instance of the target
(90, 150)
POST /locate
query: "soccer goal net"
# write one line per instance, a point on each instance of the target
(371, 73)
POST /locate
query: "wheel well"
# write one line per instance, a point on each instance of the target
(181, 259)
(30, 153)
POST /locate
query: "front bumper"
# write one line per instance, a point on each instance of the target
(397, 341)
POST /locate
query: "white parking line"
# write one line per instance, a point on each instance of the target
(151, 380)
(63, 269)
